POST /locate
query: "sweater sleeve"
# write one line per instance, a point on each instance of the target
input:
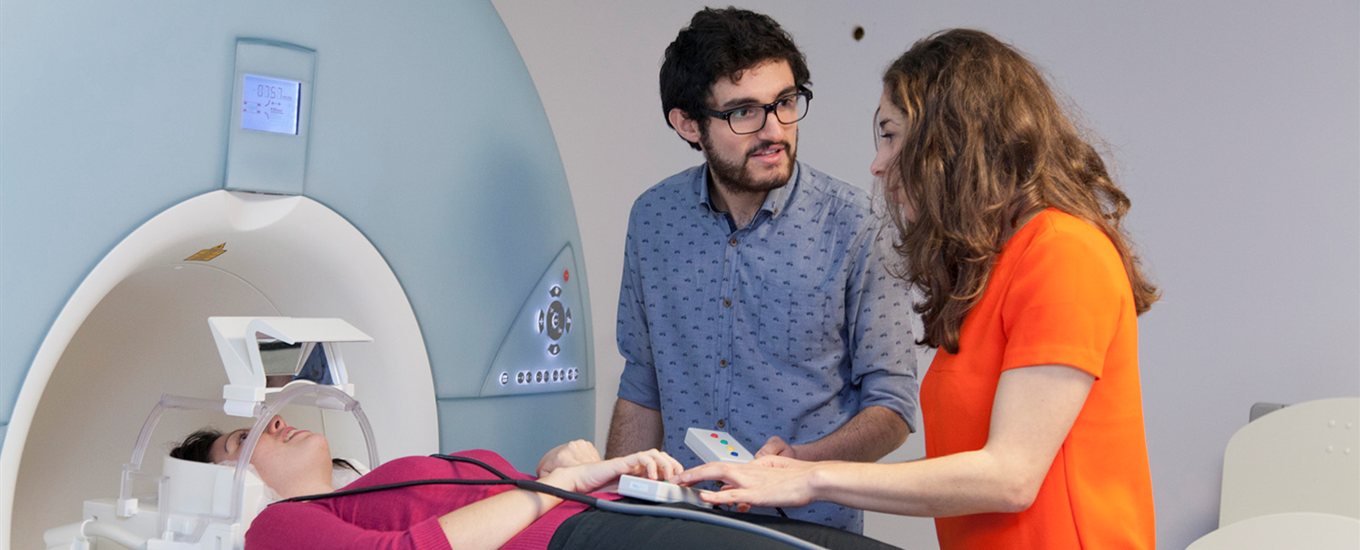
(293, 525)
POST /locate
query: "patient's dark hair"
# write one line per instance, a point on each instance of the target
(197, 445)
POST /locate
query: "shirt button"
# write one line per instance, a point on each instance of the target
(733, 241)
(722, 363)
(727, 302)
(722, 423)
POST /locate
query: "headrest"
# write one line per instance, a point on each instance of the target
(203, 489)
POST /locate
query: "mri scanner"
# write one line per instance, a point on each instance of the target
(388, 164)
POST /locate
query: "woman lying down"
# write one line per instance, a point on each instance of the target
(296, 463)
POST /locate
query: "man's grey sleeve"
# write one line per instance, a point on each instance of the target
(878, 311)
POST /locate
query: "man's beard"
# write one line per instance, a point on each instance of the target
(733, 175)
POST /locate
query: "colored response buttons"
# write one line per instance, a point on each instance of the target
(713, 445)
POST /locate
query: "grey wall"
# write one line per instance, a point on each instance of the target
(1235, 127)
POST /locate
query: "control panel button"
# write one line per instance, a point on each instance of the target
(557, 320)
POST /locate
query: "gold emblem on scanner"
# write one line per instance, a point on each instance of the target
(207, 254)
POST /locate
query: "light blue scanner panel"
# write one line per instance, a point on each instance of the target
(425, 133)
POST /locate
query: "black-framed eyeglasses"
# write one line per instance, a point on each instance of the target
(749, 119)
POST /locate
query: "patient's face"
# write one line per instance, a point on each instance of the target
(288, 459)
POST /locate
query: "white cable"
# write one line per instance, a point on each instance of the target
(81, 542)
(114, 533)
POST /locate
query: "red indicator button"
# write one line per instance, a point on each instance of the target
(713, 435)
(566, 275)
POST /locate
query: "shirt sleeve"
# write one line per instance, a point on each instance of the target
(638, 380)
(305, 525)
(1063, 304)
(878, 311)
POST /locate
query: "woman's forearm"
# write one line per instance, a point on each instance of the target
(1032, 412)
(491, 522)
(964, 483)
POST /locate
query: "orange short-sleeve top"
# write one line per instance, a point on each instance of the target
(1058, 294)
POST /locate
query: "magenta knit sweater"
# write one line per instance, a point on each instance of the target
(399, 518)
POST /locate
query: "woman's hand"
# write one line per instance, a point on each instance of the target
(571, 453)
(766, 481)
(584, 478)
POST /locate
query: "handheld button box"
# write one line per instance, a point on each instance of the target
(659, 491)
(716, 446)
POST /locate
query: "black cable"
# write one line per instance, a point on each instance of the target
(602, 504)
(526, 484)
(398, 485)
(473, 461)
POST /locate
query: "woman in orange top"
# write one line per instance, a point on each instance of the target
(1010, 226)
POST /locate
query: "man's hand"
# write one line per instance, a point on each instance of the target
(867, 437)
(776, 446)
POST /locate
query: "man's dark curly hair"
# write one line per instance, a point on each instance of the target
(721, 43)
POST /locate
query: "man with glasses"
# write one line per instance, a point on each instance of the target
(756, 298)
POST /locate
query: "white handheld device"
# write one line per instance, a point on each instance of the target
(716, 446)
(659, 491)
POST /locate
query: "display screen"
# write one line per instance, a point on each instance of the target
(270, 104)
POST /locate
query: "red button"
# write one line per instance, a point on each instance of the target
(566, 275)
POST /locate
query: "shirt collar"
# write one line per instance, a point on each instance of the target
(778, 199)
(775, 202)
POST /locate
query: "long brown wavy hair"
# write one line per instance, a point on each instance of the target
(986, 145)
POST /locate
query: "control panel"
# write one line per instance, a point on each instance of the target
(545, 348)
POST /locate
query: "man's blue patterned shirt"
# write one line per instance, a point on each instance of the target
(789, 326)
